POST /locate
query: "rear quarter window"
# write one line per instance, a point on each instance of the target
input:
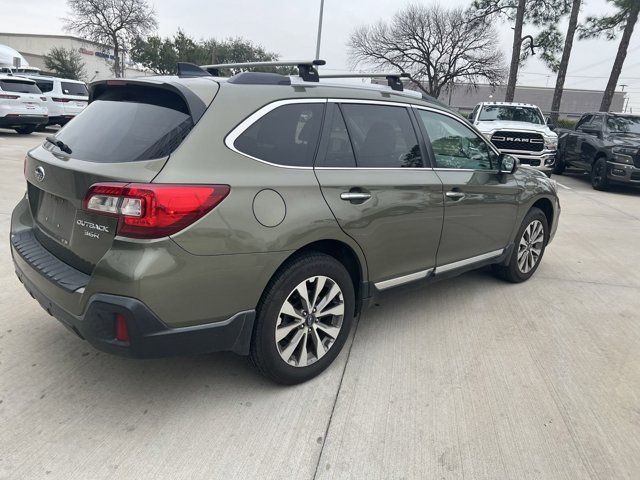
(77, 89)
(45, 85)
(287, 135)
(128, 124)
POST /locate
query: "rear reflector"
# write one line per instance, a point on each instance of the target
(122, 331)
(153, 210)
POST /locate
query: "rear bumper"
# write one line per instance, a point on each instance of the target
(623, 173)
(59, 119)
(149, 337)
(19, 120)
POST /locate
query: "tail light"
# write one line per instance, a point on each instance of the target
(153, 210)
(44, 99)
(60, 100)
(9, 97)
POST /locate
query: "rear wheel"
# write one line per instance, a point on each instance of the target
(530, 244)
(599, 180)
(304, 319)
(559, 167)
(26, 130)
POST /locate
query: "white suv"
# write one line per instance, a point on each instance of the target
(518, 129)
(65, 98)
(22, 105)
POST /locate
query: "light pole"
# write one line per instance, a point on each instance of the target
(319, 29)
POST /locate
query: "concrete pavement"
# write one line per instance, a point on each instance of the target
(467, 378)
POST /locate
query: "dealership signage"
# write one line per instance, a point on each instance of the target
(104, 55)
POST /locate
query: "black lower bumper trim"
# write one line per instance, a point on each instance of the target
(149, 337)
(20, 120)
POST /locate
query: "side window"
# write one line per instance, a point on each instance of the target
(382, 137)
(45, 86)
(583, 121)
(339, 152)
(454, 144)
(597, 123)
(287, 135)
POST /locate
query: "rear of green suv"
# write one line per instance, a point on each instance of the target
(259, 214)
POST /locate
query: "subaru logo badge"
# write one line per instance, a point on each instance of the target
(39, 174)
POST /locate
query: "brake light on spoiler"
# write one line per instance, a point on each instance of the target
(153, 210)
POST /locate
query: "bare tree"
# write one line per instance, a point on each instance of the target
(436, 46)
(115, 23)
(625, 19)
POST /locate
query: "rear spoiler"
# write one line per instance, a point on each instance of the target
(194, 103)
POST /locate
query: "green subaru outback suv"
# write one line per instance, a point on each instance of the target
(260, 213)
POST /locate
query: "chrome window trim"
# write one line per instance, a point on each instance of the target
(468, 261)
(394, 282)
(239, 129)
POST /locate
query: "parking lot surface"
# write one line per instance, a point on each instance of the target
(466, 378)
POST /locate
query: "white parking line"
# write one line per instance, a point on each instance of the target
(564, 186)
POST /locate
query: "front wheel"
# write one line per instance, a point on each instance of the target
(304, 319)
(599, 180)
(25, 130)
(529, 248)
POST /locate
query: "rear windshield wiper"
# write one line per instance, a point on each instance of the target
(59, 143)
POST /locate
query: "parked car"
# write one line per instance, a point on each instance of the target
(605, 145)
(518, 129)
(22, 105)
(260, 213)
(65, 97)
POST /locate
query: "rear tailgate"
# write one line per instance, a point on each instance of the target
(125, 135)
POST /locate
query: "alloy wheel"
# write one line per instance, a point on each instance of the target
(309, 321)
(530, 246)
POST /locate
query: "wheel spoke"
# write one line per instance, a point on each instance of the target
(328, 329)
(320, 283)
(303, 291)
(317, 343)
(288, 309)
(282, 332)
(302, 359)
(335, 290)
(295, 341)
(335, 310)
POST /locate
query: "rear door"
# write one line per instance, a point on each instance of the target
(480, 203)
(125, 135)
(74, 97)
(371, 169)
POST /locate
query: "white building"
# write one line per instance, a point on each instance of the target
(98, 59)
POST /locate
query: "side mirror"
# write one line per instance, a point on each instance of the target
(507, 163)
(550, 123)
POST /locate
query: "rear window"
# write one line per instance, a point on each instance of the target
(78, 89)
(19, 86)
(128, 124)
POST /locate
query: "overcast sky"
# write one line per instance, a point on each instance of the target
(289, 28)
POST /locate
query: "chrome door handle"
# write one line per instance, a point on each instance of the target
(349, 196)
(455, 195)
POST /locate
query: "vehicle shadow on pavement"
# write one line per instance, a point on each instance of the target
(613, 188)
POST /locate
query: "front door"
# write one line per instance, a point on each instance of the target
(370, 169)
(480, 203)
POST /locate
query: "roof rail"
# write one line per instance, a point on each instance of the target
(306, 68)
(393, 79)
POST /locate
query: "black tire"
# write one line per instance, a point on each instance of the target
(27, 130)
(599, 180)
(511, 271)
(264, 351)
(559, 167)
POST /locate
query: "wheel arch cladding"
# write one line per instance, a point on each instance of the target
(341, 252)
(546, 206)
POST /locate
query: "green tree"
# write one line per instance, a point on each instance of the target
(66, 63)
(623, 19)
(162, 55)
(541, 13)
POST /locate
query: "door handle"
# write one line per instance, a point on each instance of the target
(350, 196)
(455, 195)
